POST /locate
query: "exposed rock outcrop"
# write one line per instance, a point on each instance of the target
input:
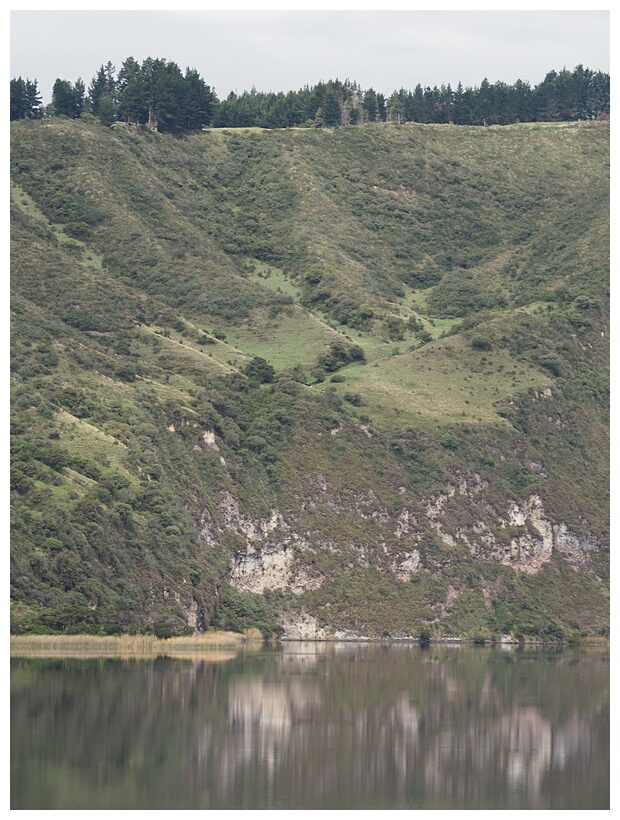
(522, 537)
(275, 552)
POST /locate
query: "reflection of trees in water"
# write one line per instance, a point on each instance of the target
(362, 727)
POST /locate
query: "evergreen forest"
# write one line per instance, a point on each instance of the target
(159, 94)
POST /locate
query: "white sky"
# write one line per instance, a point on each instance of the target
(287, 49)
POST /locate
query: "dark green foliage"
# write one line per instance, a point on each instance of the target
(422, 278)
(67, 98)
(25, 100)
(238, 611)
(102, 94)
(578, 95)
(340, 355)
(353, 398)
(395, 328)
(260, 370)
(460, 293)
(158, 94)
(551, 363)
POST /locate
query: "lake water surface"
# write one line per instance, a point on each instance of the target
(314, 726)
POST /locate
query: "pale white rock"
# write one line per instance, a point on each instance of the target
(305, 627)
(209, 439)
(575, 548)
(447, 539)
(380, 516)
(402, 523)
(529, 552)
(260, 570)
(206, 533)
(252, 529)
(302, 627)
(408, 566)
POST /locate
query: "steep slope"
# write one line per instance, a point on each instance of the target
(326, 383)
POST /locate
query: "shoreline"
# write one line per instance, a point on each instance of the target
(150, 645)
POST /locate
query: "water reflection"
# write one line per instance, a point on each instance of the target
(315, 726)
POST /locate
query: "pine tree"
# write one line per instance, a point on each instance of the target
(598, 96)
(417, 113)
(18, 99)
(132, 92)
(68, 99)
(25, 100)
(331, 108)
(96, 90)
(521, 102)
(484, 102)
(370, 105)
(200, 101)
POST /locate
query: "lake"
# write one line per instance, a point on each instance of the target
(314, 726)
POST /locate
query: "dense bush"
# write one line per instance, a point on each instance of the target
(238, 611)
(340, 355)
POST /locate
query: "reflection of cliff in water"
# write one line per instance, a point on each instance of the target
(461, 744)
(335, 727)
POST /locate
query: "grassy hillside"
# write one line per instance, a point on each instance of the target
(357, 377)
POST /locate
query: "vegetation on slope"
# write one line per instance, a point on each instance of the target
(327, 325)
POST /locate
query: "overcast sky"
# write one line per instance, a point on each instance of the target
(284, 50)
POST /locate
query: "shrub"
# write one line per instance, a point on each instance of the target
(552, 363)
(423, 278)
(127, 372)
(480, 343)
(238, 611)
(78, 230)
(395, 328)
(260, 370)
(168, 627)
(448, 441)
(314, 277)
(340, 355)
(354, 398)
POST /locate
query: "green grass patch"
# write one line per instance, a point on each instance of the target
(444, 382)
(273, 278)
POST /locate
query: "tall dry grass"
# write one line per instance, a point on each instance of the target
(128, 645)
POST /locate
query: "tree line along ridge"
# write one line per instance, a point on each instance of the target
(157, 93)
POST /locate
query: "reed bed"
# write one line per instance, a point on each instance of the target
(594, 640)
(128, 645)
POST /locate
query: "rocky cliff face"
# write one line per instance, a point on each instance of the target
(275, 552)
(522, 536)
